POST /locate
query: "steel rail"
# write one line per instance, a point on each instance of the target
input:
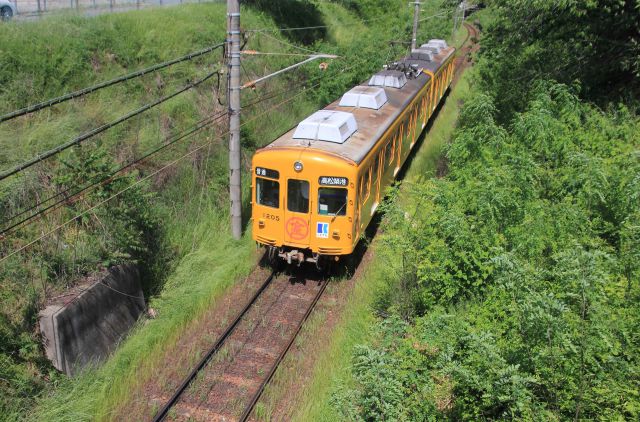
(218, 344)
(254, 400)
(88, 90)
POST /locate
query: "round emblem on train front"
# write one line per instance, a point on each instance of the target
(297, 228)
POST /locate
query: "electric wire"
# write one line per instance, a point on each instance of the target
(88, 135)
(69, 199)
(88, 90)
(64, 224)
(265, 97)
(264, 34)
(167, 143)
(138, 182)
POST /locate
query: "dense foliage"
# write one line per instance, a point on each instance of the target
(165, 219)
(595, 44)
(520, 268)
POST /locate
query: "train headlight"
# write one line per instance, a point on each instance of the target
(297, 166)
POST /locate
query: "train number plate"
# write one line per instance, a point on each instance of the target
(271, 217)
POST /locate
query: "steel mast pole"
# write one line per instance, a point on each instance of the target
(416, 15)
(233, 91)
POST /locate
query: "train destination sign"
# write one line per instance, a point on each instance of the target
(333, 181)
(272, 174)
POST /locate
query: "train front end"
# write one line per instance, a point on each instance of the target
(302, 205)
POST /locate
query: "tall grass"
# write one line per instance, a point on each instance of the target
(196, 284)
(197, 259)
(332, 363)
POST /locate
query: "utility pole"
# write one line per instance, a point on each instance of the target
(416, 15)
(233, 92)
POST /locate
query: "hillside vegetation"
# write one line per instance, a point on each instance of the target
(173, 223)
(512, 283)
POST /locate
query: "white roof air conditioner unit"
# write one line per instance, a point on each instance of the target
(326, 125)
(389, 78)
(364, 96)
(421, 54)
(439, 43)
(431, 47)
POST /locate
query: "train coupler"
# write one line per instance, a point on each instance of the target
(292, 256)
(297, 256)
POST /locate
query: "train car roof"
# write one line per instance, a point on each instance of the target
(372, 124)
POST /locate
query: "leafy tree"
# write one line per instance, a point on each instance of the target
(595, 44)
(517, 274)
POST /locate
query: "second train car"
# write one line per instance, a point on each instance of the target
(316, 188)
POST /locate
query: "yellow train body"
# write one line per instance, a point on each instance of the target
(313, 199)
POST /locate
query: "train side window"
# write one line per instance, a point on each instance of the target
(374, 168)
(364, 190)
(332, 201)
(298, 196)
(388, 152)
(267, 192)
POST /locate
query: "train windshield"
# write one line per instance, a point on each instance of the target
(268, 192)
(298, 196)
(332, 201)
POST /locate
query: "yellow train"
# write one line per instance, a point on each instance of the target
(316, 188)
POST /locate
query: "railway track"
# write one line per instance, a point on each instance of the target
(468, 47)
(228, 381)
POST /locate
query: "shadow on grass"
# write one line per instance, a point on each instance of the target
(293, 14)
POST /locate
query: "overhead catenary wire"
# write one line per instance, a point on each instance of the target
(260, 53)
(288, 44)
(286, 69)
(70, 198)
(88, 90)
(269, 95)
(441, 14)
(64, 224)
(138, 182)
(170, 141)
(300, 28)
(265, 97)
(88, 135)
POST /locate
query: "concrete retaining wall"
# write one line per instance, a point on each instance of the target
(86, 328)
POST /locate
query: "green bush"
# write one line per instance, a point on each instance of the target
(516, 272)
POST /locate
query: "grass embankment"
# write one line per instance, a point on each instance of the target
(191, 256)
(513, 293)
(334, 361)
(184, 206)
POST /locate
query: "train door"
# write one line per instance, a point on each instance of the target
(413, 125)
(398, 148)
(376, 174)
(296, 212)
(423, 109)
(267, 206)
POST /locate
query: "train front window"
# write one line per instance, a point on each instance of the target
(332, 201)
(268, 192)
(298, 196)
